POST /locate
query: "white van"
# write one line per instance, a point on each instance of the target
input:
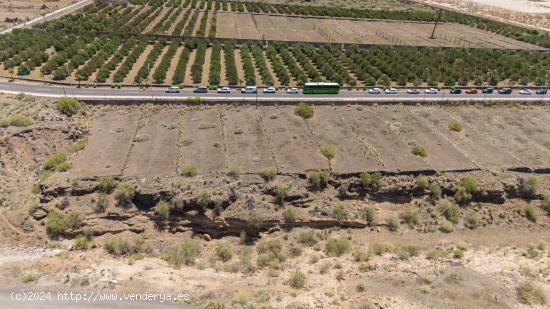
(249, 89)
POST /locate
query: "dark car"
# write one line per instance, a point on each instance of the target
(456, 91)
(542, 91)
(200, 89)
(487, 90)
(505, 91)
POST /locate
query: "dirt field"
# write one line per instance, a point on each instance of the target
(522, 12)
(27, 9)
(256, 27)
(365, 139)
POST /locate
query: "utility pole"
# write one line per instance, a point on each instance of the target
(436, 22)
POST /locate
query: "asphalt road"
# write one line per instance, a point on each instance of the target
(353, 96)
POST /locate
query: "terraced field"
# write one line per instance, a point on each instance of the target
(215, 140)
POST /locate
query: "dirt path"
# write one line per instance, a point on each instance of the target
(173, 65)
(206, 66)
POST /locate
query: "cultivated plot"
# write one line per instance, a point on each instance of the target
(202, 144)
(108, 145)
(247, 144)
(154, 151)
(406, 33)
(294, 146)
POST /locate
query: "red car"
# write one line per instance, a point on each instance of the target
(471, 91)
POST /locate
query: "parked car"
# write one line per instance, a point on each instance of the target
(173, 89)
(542, 91)
(431, 91)
(390, 91)
(249, 90)
(375, 91)
(200, 89)
(472, 91)
(293, 90)
(487, 90)
(525, 91)
(505, 91)
(269, 90)
(224, 90)
(456, 91)
(413, 91)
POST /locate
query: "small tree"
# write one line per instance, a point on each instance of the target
(304, 110)
(298, 280)
(268, 174)
(451, 211)
(370, 182)
(339, 212)
(189, 171)
(318, 179)
(162, 210)
(68, 106)
(369, 214)
(418, 150)
(456, 126)
(106, 185)
(124, 193)
(203, 200)
(224, 251)
(328, 151)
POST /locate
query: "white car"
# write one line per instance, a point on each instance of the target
(292, 90)
(431, 91)
(224, 90)
(249, 90)
(269, 90)
(173, 89)
(390, 91)
(525, 92)
(375, 91)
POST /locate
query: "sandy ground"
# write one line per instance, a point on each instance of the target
(27, 9)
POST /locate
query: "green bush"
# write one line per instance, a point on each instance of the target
(473, 220)
(446, 226)
(80, 144)
(68, 106)
(298, 280)
(102, 203)
(57, 162)
(124, 193)
(106, 185)
(303, 110)
(370, 182)
(162, 210)
(422, 182)
(268, 174)
(456, 125)
(318, 179)
(437, 254)
(369, 214)
(466, 188)
(289, 215)
(58, 223)
(407, 252)
(270, 253)
(339, 212)
(532, 213)
(224, 251)
(337, 247)
(307, 238)
(82, 242)
(418, 150)
(380, 248)
(16, 120)
(281, 193)
(450, 211)
(529, 294)
(203, 200)
(546, 204)
(118, 246)
(189, 171)
(410, 217)
(529, 186)
(328, 151)
(186, 253)
(29, 275)
(393, 223)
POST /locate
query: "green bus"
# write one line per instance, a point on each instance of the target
(321, 88)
